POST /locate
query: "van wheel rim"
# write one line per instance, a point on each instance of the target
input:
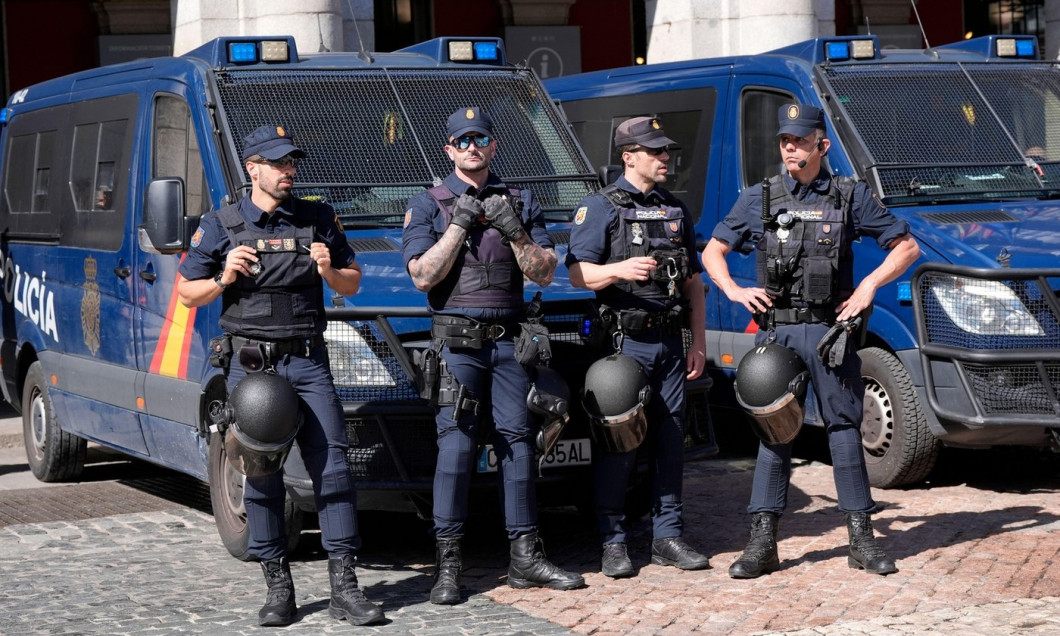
(38, 424)
(234, 486)
(877, 426)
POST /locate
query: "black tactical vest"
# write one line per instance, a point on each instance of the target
(656, 231)
(485, 273)
(804, 256)
(286, 300)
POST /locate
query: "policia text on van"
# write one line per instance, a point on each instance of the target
(105, 175)
(962, 142)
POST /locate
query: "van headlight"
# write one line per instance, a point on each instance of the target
(985, 308)
(353, 363)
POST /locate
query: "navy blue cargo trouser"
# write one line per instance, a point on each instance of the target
(494, 377)
(323, 443)
(840, 395)
(662, 355)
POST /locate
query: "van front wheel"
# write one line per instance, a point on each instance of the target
(229, 512)
(899, 448)
(52, 453)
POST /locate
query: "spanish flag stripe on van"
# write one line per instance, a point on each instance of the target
(171, 351)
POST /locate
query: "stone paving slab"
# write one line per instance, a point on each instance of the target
(166, 572)
(977, 554)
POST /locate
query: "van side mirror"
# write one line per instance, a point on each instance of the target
(608, 174)
(162, 231)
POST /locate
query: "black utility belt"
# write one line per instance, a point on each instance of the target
(634, 322)
(273, 349)
(459, 331)
(795, 316)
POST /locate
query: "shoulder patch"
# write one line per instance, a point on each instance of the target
(408, 217)
(579, 216)
(197, 237)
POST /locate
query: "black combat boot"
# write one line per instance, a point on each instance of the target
(446, 590)
(865, 553)
(530, 568)
(347, 600)
(760, 556)
(279, 608)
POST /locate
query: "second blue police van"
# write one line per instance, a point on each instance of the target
(104, 176)
(963, 142)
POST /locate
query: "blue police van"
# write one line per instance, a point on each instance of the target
(963, 142)
(104, 176)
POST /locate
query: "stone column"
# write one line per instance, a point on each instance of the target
(691, 29)
(1052, 31)
(317, 25)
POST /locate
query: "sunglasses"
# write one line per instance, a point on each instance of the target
(282, 162)
(654, 152)
(463, 143)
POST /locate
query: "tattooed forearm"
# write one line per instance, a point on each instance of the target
(429, 269)
(538, 263)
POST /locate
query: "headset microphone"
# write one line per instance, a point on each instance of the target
(802, 162)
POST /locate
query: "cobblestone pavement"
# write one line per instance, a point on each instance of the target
(978, 553)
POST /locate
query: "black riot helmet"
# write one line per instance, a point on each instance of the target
(549, 397)
(615, 394)
(770, 385)
(263, 419)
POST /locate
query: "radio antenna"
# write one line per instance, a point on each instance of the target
(921, 24)
(361, 53)
(868, 27)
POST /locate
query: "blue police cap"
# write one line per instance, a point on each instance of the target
(467, 120)
(270, 142)
(642, 131)
(799, 120)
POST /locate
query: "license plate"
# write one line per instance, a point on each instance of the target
(568, 452)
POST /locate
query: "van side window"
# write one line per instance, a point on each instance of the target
(97, 150)
(66, 169)
(759, 153)
(687, 116)
(175, 151)
(27, 180)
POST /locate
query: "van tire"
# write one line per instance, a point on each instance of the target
(229, 513)
(52, 453)
(899, 447)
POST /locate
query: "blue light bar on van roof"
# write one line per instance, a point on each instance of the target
(5, 114)
(487, 51)
(242, 52)
(1017, 47)
(842, 50)
(474, 51)
(255, 51)
(905, 292)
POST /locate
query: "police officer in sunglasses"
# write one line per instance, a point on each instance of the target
(468, 243)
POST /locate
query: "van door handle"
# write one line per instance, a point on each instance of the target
(121, 271)
(148, 276)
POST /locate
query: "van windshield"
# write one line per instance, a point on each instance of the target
(375, 137)
(951, 131)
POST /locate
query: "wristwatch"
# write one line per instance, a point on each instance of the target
(217, 279)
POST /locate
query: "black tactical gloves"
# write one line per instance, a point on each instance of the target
(833, 346)
(501, 216)
(465, 211)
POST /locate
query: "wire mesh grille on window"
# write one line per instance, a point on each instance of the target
(949, 129)
(375, 137)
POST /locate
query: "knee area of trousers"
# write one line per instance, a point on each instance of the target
(335, 483)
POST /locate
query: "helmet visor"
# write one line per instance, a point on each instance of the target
(620, 433)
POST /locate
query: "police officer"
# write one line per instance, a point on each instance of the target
(806, 288)
(266, 257)
(633, 244)
(468, 242)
